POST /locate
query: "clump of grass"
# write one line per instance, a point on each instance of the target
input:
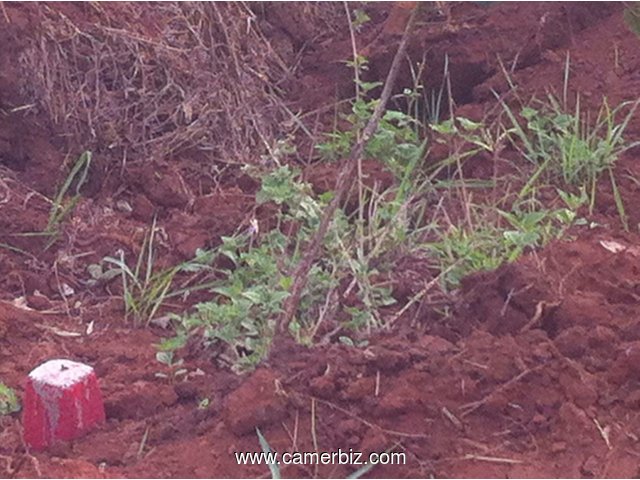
(498, 236)
(60, 208)
(145, 287)
(566, 148)
(359, 252)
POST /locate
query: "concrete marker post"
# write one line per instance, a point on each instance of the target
(62, 401)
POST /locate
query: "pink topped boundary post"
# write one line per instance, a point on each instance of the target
(62, 401)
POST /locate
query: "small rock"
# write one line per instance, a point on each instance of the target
(38, 302)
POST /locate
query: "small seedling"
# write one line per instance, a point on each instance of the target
(175, 367)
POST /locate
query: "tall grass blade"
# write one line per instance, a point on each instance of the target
(273, 467)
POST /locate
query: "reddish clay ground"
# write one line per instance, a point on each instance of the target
(535, 372)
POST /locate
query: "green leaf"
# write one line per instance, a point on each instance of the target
(171, 344)
(346, 341)
(274, 468)
(367, 86)
(165, 358)
(529, 113)
(9, 402)
(286, 283)
(360, 18)
(468, 124)
(446, 128)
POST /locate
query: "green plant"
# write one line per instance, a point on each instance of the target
(497, 236)
(566, 149)
(395, 143)
(146, 288)
(175, 367)
(274, 468)
(350, 284)
(78, 173)
(426, 107)
(243, 314)
(9, 402)
(357, 253)
(632, 17)
(251, 293)
(396, 140)
(59, 208)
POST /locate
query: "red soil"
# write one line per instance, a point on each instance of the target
(534, 373)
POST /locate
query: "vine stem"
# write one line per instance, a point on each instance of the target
(300, 275)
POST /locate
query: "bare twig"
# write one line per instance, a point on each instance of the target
(371, 424)
(483, 458)
(4, 12)
(537, 316)
(473, 406)
(344, 176)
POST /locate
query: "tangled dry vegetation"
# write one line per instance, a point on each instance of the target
(153, 81)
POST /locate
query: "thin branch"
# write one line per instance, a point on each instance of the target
(344, 176)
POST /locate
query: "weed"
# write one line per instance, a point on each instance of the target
(59, 208)
(175, 367)
(462, 250)
(78, 173)
(396, 141)
(425, 107)
(632, 17)
(251, 294)
(349, 286)
(492, 233)
(567, 149)
(9, 402)
(145, 289)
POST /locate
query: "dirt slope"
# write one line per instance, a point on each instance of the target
(534, 373)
